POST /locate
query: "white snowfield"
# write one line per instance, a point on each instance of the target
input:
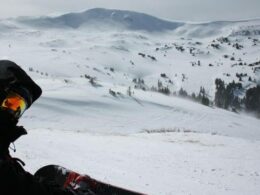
(170, 163)
(147, 142)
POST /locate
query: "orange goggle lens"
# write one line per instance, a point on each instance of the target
(14, 103)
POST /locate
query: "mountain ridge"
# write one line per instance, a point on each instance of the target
(128, 19)
(112, 19)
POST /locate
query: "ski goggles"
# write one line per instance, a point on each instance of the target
(15, 104)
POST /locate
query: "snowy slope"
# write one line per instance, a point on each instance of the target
(78, 106)
(168, 164)
(114, 57)
(149, 142)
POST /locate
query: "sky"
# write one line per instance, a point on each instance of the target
(178, 10)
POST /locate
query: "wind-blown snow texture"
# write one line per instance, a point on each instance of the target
(148, 142)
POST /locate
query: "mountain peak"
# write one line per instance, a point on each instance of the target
(108, 17)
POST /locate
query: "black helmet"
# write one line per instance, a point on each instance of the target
(14, 83)
(14, 78)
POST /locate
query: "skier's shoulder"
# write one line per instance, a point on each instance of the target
(4, 165)
(3, 161)
(11, 164)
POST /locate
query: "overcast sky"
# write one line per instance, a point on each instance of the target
(184, 10)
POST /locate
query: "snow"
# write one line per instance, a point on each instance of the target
(147, 142)
(103, 17)
(170, 163)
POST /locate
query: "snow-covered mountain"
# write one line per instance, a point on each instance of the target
(192, 55)
(99, 18)
(188, 57)
(104, 17)
(98, 70)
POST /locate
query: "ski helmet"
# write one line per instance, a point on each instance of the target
(16, 85)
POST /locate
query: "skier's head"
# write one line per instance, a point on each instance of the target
(17, 90)
(17, 93)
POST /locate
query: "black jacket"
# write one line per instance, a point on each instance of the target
(14, 180)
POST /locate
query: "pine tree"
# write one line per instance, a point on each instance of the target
(220, 93)
(252, 99)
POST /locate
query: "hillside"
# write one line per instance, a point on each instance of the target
(189, 56)
(103, 17)
(104, 75)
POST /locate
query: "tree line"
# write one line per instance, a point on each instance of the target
(230, 96)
